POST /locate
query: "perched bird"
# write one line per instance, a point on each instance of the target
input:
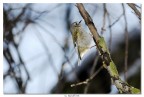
(81, 39)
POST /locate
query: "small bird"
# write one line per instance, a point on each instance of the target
(81, 39)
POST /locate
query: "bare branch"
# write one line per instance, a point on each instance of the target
(126, 43)
(104, 19)
(89, 79)
(132, 6)
(110, 29)
(115, 21)
(92, 72)
(39, 36)
(88, 21)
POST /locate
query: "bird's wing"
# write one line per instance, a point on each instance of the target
(79, 55)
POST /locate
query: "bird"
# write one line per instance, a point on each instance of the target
(81, 39)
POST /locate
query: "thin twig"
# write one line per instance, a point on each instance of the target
(89, 79)
(39, 36)
(92, 71)
(116, 21)
(104, 19)
(62, 48)
(137, 6)
(126, 43)
(55, 39)
(23, 64)
(110, 29)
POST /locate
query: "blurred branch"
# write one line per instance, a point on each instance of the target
(132, 6)
(110, 29)
(11, 72)
(39, 36)
(9, 37)
(126, 43)
(115, 21)
(9, 25)
(19, 17)
(44, 12)
(104, 19)
(137, 6)
(89, 79)
(54, 38)
(92, 72)
(62, 47)
(109, 20)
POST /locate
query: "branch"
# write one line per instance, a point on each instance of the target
(110, 29)
(108, 63)
(92, 71)
(104, 18)
(88, 21)
(126, 44)
(132, 6)
(89, 79)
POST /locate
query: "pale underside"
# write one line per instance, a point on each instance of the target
(83, 42)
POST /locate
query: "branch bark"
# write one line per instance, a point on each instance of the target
(132, 6)
(88, 21)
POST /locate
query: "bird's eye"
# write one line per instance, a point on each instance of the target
(76, 24)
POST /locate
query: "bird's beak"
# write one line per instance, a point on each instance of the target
(80, 21)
